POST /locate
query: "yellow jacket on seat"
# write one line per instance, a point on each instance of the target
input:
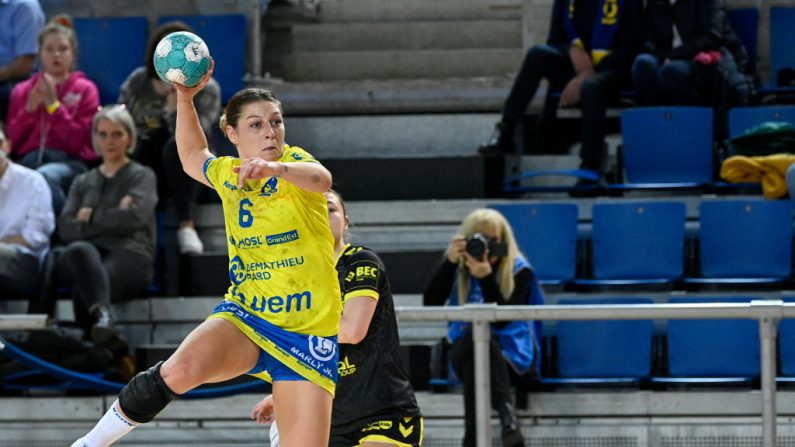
(770, 170)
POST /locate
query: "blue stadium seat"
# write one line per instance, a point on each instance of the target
(782, 53)
(637, 243)
(745, 23)
(225, 35)
(744, 118)
(603, 353)
(711, 352)
(666, 148)
(110, 49)
(547, 235)
(744, 242)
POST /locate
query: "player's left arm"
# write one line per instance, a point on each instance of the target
(191, 142)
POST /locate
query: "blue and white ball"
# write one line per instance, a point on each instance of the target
(182, 57)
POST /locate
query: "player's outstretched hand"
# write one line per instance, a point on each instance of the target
(263, 411)
(190, 92)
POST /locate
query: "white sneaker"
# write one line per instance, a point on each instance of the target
(189, 242)
(79, 443)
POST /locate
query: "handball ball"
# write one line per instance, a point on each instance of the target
(182, 57)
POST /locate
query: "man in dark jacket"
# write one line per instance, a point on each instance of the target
(687, 42)
(587, 57)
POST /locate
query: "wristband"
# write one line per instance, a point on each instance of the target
(51, 108)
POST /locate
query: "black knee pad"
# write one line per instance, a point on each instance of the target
(146, 395)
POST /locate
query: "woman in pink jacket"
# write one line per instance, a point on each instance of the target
(50, 114)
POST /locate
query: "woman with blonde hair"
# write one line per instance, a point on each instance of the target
(483, 265)
(108, 226)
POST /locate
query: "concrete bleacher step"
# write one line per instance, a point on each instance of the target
(390, 136)
(395, 64)
(415, 35)
(484, 94)
(409, 10)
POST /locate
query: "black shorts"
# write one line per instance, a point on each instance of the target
(403, 432)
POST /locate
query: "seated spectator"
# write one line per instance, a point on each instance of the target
(153, 105)
(26, 225)
(108, 224)
(587, 56)
(49, 116)
(483, 265)
(20, 23)
(684, 40)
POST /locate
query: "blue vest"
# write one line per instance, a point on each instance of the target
(604, 29)
(518, 339)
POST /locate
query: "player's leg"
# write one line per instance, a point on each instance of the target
(215, 351)
(303, 410)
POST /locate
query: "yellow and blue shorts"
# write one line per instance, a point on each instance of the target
(285, 355)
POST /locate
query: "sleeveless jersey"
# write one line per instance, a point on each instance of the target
(372, 382)
(281, 250)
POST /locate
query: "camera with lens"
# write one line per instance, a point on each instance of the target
(477, 244)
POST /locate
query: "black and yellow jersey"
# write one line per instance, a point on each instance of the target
(372, 383)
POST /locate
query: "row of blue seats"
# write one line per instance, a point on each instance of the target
(739, 242)
(114, 46)
(670, 148)
(692, 352)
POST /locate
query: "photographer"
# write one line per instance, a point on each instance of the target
(483, 265)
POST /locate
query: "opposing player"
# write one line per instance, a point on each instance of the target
(280, 317)
(375, 404)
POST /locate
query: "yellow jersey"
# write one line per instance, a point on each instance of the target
(281, 250)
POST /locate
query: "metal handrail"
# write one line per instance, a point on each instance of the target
(767, 312)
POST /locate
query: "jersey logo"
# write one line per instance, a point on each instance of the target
(345, 367)
(281, 238)
(405, 430)
(270, 187)
(366, 272)
(352, 250)
(237, 271)
(297, 156)
(321, 348)
(378, 425)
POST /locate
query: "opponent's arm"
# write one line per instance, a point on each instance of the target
(357, 313)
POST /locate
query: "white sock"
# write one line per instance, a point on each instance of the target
(109, 429)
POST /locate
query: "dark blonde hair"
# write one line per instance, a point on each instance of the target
(116, 114)
(234, 108)
(62, 24)
(481, 221)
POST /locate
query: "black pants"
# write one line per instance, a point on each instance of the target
(546, 62)
(462, 357)
(159, 151)
(96, 277)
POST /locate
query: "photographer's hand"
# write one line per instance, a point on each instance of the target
(479, 268)
(456, 249)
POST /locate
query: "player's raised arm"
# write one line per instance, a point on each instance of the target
(191, 141)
